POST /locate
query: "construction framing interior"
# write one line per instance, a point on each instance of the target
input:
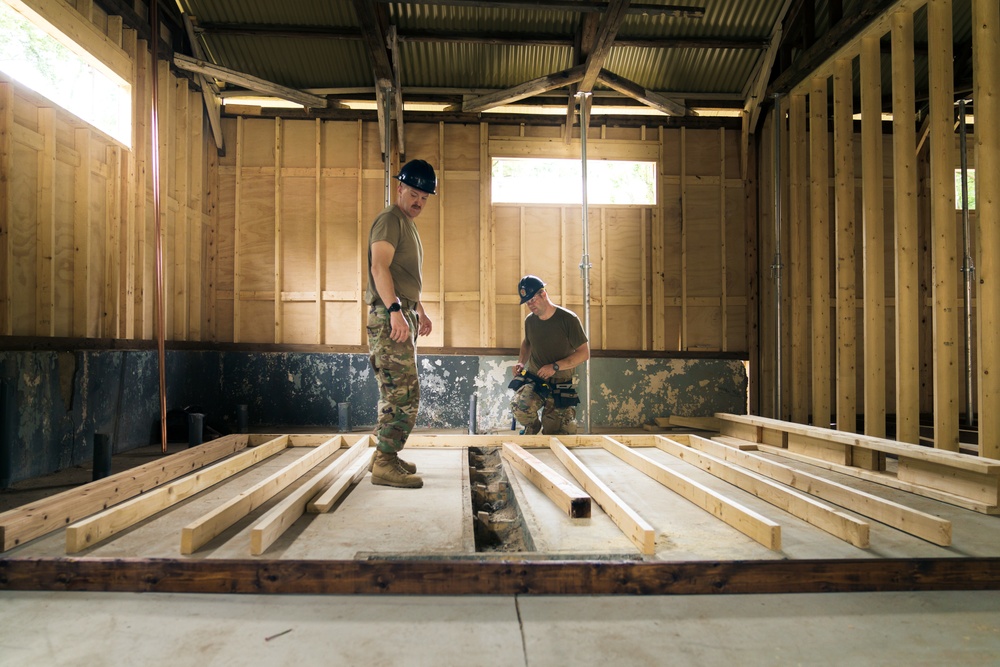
(822, 251)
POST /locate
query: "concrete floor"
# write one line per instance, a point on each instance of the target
(858, 629)
(925, 628)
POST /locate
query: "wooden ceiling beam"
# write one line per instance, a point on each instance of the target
(248, 81)
(647, 97)
(542, 84)
(374, 25)
(606, 31)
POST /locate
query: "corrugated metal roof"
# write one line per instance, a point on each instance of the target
(474, 47)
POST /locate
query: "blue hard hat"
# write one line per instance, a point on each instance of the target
(529, 286)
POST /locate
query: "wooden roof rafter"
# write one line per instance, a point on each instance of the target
(248, 81)
(381, 43)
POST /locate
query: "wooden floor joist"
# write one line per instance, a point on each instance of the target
(566, 495)
(510, 576)
(198, 533)
(326, 498)
(634, 526)
(822, 516)
(750, 523)
(22, 524)
(926, 526)
(101, 526)
(281, 517)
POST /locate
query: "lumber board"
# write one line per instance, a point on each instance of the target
(634, 526)
(954, 459)
(22, 524)
(197, 533)
(103, 525)
(567, 496)
(662, 422)
(703, 423)
(281, 517)
(755, 526)
(886, 479)
(926, 526)
(824, 517)
(326, 498)
(499, 577)
(966, 483)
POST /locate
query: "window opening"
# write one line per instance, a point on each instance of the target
(558, 181)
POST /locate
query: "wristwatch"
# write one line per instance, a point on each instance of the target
(555, 366)
(395, 307)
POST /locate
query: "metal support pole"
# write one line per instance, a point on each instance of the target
(776, 266)
(968, 268)
(583, 100)
(387, 157)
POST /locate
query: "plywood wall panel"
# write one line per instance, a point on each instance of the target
(63, 246)
(703, 240)
(256, 242)
(298, 234)
(461, 238)
(461, 147)
(457, 332)
(702, 153)
(24, 189)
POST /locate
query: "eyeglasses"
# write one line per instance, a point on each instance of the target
(536, 298)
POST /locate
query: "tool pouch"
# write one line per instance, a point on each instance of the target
(565, 396)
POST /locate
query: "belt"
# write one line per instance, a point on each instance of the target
(406, 304)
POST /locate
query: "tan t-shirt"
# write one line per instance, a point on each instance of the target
(553, 339)
(393, 226)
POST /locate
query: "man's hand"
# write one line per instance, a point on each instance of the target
(400, 329)
(546, 371)
(518, 367)
(423, 322)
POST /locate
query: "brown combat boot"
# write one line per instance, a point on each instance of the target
(534, 428)
(407, 466)
(388, 471)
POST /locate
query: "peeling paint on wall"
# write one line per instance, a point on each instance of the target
(117, 392)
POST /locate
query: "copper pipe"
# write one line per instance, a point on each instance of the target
(155, 128)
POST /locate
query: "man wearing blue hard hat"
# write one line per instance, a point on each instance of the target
(395, 319)
(554, 344)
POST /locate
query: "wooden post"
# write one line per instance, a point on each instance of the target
(318, 233)
(439, 326)
(683, 249)
(45, 251)
(798, 216)
(819, 241)
(237, 216)
(847, 343)
(659, 260)
(904, 179)
(986, 93)
(6, 245)
(943, 237)
(873, 224)
(182, 218)
(487, 245)
(81, 238)
(279, 336)
(723, 258)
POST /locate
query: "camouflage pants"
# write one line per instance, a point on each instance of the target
(555, 421)
(395, 366)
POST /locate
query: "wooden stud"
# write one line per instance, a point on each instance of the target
(81, 238)
(45, 273)
(129, 175)
(196, 228)
(6, 214)
(112, 247)
(318, 233)
(798, 214)
(143, 257)
(571, 499)
(237, 232)
(943, 243)
(683, 249)
(604, 279)
(644, 278)
(168, 184)
(658, 251)
(362, 252)
(723, 252)
(19, 525)
(634, 526)
(822, 516)
(279, 263)
(755, 526)
(211, 276)
(197, 533)
(95, 529)
(487, 244)
(442, 192)
(847, 339)
(986, 93)
(359, 456)
(873, 224)
(923, 525)
(906, 251)
(181, 164)
(819, 242)
(280, 518)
